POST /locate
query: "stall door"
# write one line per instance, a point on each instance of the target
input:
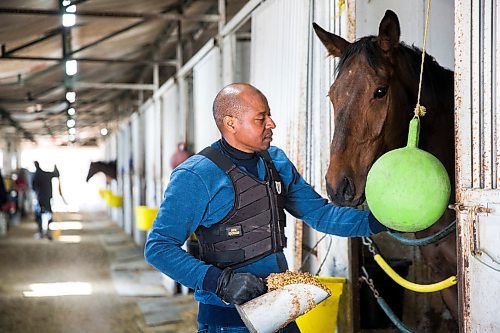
(477, 105)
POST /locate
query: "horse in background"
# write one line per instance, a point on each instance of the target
(108, 168)
(373, 98)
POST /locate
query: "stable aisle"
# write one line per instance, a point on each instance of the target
(90, 278)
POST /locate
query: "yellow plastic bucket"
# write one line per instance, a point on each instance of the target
(144, 217)
(104, 193)
(114, 200)
(323, 318)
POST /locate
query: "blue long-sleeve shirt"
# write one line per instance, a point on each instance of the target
(200, 193)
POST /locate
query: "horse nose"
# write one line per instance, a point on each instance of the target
(330, 191)
(345, 189)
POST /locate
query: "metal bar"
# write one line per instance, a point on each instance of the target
(131, 61)
(47, 35)
(188, 66)
(100, 40)
(222, 15)
(124, 86)
(149, 16)
(240, 18)
(6, 115)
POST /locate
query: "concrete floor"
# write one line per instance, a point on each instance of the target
(25, 261)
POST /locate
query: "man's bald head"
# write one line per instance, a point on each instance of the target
(232, 100)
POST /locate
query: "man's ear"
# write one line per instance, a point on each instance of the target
(228, 122)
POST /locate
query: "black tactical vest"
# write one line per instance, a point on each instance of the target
(255, 227)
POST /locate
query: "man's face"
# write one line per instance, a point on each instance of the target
(254, 127)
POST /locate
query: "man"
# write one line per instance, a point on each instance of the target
(233, 195)
(42, 185)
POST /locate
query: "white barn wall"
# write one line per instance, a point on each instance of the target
(279, 69)
(138, 188)
(123, 166)
(171, 135)
(411, 14)
(206, 84)
(151, 140)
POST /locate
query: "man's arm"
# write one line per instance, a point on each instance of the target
(303, 202)
(184, 205)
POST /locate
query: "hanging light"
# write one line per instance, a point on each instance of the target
(71, 123)
(71, 111)
(71, 137)
(68, 20)
(66, 3)
(72, 131)
(104, 131)
(71, 96)
(71, 67)
(71, 9)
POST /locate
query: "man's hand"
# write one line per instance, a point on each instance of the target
(238, 288)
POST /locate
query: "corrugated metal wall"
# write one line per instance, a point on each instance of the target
(278, 67)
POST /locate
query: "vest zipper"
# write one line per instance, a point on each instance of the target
(274, 218)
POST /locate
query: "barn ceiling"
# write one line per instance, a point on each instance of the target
(117, 45)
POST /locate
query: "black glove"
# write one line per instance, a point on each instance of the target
(238, 288)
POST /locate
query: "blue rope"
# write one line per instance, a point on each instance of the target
(395, 320)
(426, 240)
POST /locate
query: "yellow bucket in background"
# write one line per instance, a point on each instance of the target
(323, 318)
(114, 200)
(104, 193)
(144, 217)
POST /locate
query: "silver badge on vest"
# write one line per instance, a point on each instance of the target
(278, 187)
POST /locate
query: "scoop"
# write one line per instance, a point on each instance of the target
(276, 309)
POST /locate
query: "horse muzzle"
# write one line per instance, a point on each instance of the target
(344, 194)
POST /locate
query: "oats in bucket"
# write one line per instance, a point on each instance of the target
(279, 280)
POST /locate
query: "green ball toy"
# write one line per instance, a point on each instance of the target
(408, 189)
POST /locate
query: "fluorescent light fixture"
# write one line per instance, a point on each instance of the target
(71, 9)
(71, 111)
(68, 225)
(71, 96)
(72, 130)
(104, 131)
(58, 289)
(71, 123)
(68, 20)
(71, 67)
(69, 239)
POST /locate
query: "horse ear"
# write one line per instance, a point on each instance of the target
(333, 43)
(389, 31)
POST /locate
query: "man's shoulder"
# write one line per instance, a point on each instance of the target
(197, 164)
(277, 154)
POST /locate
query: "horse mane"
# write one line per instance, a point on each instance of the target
(438, 80)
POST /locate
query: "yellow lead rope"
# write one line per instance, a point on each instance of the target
(420, 288)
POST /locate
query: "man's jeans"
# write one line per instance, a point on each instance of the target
(202, 328)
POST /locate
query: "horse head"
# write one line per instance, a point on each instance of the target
(373, 97)
(369, 99)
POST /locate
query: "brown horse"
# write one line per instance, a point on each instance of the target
(108, 168)
(373, 98)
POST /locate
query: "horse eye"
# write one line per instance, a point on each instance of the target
(380, 92)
